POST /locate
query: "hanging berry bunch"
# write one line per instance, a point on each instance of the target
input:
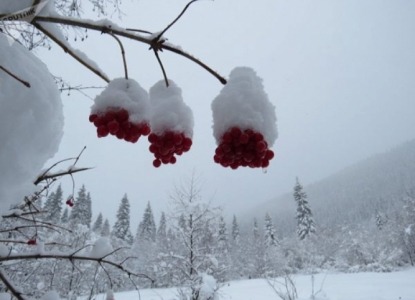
(171, 123)
(122, 110)
(244, 122)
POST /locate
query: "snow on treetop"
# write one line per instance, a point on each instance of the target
(169, 112)
(243, 103)
(102, 247)
(125, 94)
(31, 121)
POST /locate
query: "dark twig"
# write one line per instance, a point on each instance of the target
(25, 83)
(10, 286)
(162, 67)
(122, 53)
(138, 30)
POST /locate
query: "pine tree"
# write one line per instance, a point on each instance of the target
(121, 227)
(97, 227)
(162, 230)
(82, 210)
(305, 222)
(235, 230)
(105, 228)
(270, 238)
(147, 229)
(48, 204)
(222, 234)
(255, 231)
(54, 206)
(65, 215)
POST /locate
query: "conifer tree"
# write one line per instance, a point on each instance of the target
(162, 229)
(222, 234)
(105, 228)
(305, 221)
(235, 230)
(270, 237)
(82, 210)
(65, 215)
(147, 228)
(255, 231)
(121, 229)
(97, 227)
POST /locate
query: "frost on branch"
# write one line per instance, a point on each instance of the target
(171, 123)
(123, 110)
(31, 121)
(244, 122)
(101, 247)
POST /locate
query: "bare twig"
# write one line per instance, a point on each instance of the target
(10, 286)
(122, 53)
(25, 83)
(162, 67)
(69, 172)
(124, 33)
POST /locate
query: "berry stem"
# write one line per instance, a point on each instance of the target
(122, 53)
(27, 84)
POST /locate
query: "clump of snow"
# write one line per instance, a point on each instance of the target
(16, 7)
(51, 295)
(125, 94)
(208, 287)
(4, 250)
(31, 121)
(243, 103)
(101, 247)
(169, 112)
(5, 296)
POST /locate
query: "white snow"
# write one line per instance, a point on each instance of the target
(5, 296)
(31, 121)
(51, 295)
(243, 103)
(110, 295)
(14, 7)
(169, 112)
(208, 287)
(4, 250)
(127, 94)
(356, 286)
(101, 247)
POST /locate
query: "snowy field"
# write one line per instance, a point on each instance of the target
(357, 286)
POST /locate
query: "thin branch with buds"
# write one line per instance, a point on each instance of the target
(25, 83)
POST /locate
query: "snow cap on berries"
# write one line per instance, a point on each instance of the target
(125, 94)
(169, 112)
(110, 295)
(243, 103)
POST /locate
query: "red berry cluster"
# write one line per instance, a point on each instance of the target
(243, 149)
(115, 122)
(31, 242)
(69, 202)
(165, 146)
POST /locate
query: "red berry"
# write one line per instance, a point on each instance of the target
(120, 134)
(156, 163)
(135, 130)
(122, 115)
(177, 139)
(219, 151)
(152, 148)
(173, 160)
(249, 132)
(244, 138)
(236, 132)
(113, 126)
(258, 137)
(102, 131)
(109, 116)
(265, 163)
(92, 118)
(217, 159)
(227, 137)
(134, 139)
(98, 121)
(187, 142)
(145, 129)
(269, 154)
(126, 125)
(260, 146)
(152, 138)
(31, 242)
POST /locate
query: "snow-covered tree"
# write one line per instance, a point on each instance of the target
(82, 211)
(305, 221)
(162, 229)
(223, 240)
(106, 231)
(235, 230)
(147, 228)
(121, 229)
(269, 232)
(65, 216)
(97, 227)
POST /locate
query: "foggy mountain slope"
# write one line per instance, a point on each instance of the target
(351, 195)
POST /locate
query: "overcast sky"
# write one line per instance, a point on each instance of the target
(340, 73)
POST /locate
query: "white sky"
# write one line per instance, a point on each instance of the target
(340, 73)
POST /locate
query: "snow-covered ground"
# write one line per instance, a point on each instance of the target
(356, 286)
